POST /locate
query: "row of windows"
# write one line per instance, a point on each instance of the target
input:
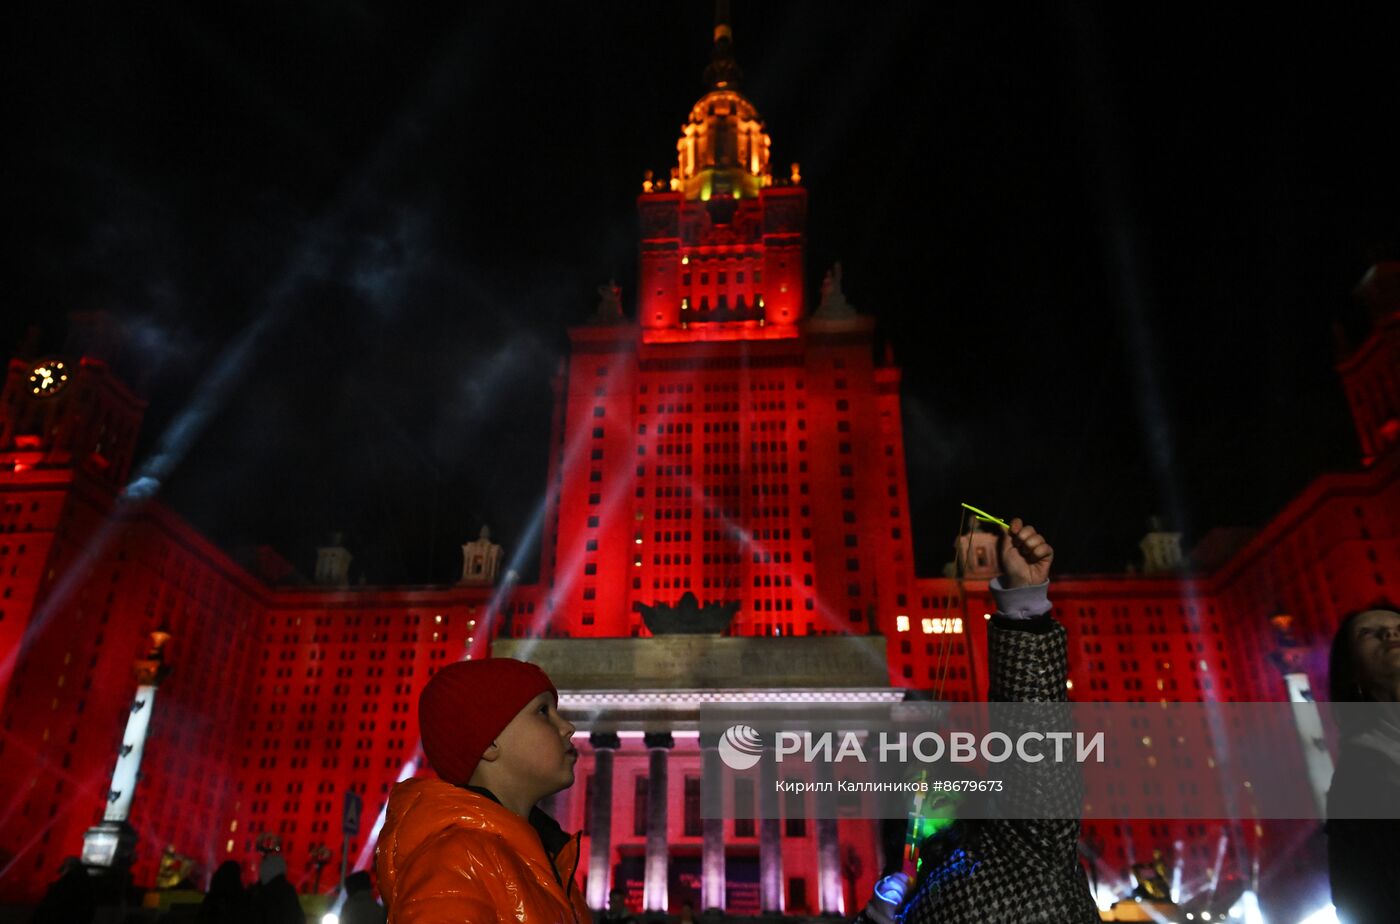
(722, 277)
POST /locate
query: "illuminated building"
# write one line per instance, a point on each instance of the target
(739, 439)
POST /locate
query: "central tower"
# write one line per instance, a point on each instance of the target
(728, 444)
(721, 243)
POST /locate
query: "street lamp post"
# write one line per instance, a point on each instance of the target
(110, 845)
(1290, 657)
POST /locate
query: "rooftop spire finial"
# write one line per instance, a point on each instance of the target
(723, 70)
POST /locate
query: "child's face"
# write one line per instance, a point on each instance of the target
(537, 748)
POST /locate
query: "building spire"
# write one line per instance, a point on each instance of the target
(723, 73)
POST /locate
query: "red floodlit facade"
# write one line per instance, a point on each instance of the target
(737, 439)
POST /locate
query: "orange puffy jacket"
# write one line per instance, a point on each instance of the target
(449, 855)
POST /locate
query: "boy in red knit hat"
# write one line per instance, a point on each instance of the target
(471, 845)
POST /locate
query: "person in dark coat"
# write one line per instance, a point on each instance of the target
(274, 900)
(1363, 804)
(1022, 866)
(69, 899)
(360, 906)
(616, 912)
(225, 902)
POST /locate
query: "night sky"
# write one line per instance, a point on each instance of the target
(1109, 243)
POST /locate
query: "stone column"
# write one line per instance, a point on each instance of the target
(110, 846)
(654, 896)
(831, 899)
(770, 840)
(600, 820)
(712, 871)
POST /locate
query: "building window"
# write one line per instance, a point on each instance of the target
(797, 894)
(796, 821)
(693, 826)
(743, 808)
(640, 792)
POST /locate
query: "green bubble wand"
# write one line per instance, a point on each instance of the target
(987, 517)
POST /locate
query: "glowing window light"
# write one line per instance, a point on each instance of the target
(942, 625)
(901, 623)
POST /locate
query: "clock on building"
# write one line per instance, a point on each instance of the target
(48, 378)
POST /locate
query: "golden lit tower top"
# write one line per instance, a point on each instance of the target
(721, 244)
(723, 149)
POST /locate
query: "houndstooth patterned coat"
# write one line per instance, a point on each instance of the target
(1015, 869)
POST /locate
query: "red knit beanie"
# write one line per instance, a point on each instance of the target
(467, 704)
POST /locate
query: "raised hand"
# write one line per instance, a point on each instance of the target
(1025, 555)
(890, 895)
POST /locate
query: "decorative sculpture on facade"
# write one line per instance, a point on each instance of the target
(833, 304)
(687, 617)
(609, 309)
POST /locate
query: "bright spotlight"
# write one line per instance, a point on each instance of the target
(1325, 915)
(1247, 908)
(330, 917)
